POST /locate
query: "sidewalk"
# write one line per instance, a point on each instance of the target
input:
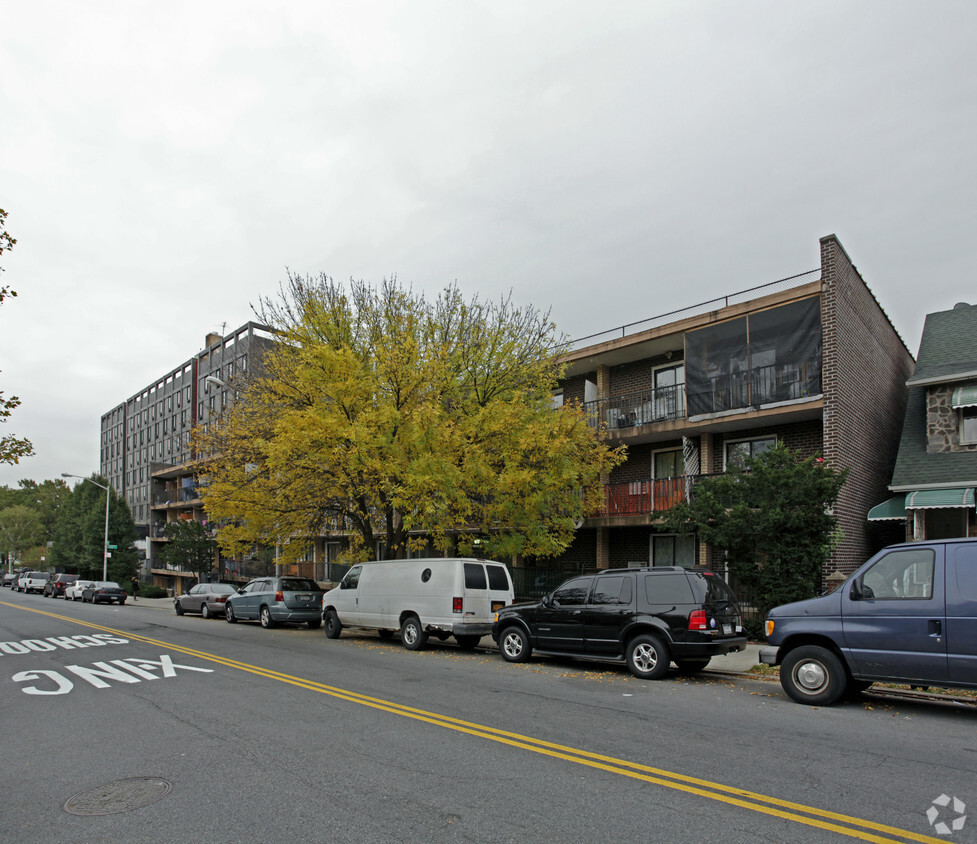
(736, 663)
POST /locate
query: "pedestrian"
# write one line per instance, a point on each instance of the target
(135, 588)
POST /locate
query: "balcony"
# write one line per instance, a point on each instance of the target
(664, 404)
(642, 498)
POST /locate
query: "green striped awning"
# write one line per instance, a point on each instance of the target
(927, 499)
(965, 396)
(893, 509)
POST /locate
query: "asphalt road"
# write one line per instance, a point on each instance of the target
(132, 724)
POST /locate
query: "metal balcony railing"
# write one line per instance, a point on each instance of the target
(642, 498)
(662, 404)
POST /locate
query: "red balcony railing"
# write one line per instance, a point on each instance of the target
(641, 498)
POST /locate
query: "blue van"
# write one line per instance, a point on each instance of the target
(908, 615)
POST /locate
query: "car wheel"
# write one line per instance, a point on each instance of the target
(386, 635)
(691, 666)
(468, 643)
(264, 616)
(412, 635)
(514, 645)
(178, 607)
(813, 675)
(229, 614)
(333, 625)
(648, 657)
(122, 603)
(205, 610)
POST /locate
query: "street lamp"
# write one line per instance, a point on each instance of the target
(105, 550)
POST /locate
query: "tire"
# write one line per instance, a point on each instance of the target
(813, 675)
(514, 645)
(315, 624)
(691, 666)
(229, 614)
(264, 616)
(205, 610)
(385, 635)
(333, 625)
(648, 657)
(178, 608)
(412, 635)
(468, 643)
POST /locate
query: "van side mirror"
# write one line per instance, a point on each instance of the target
(856, 590)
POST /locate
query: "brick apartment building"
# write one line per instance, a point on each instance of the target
(146, 440)
(811, 361)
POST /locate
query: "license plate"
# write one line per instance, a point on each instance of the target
(304, 597)
(497, 605)
(727, 629)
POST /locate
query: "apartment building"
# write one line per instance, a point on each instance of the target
(146, 440)
(811, 361)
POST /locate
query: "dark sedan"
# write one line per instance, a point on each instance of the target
(104, 591)
(205, 598)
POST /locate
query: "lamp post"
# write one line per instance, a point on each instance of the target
(105, 549)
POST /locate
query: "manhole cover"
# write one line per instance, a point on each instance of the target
(119, 796)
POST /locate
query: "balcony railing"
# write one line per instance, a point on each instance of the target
(663, 404)
(642, 498)
(176, 496)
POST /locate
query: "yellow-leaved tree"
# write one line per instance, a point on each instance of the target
(401, 422)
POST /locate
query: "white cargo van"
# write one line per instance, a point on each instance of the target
(438, 596)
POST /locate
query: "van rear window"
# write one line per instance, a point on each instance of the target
(498, 578)
(475, 576)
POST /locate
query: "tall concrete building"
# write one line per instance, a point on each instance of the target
(150, 431)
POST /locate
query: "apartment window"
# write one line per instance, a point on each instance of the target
(668, 387)
(737, 453)
(968, 425)
(673, 549)
(189, 394)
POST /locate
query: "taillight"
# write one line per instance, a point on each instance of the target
(456, 604)
(697, 620)
(279, 595)
(221, 599)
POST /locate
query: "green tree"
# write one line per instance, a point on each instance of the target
(401, 420)
(12, 449)
(79, 533)
(190, 547)
(21, 529)
(773, 520)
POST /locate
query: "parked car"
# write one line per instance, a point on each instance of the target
(33, 581)
(420, 597)
(74, 591)
(908, 615)
(646, 617)
(8, 578)
(276, 600)
(55, 587)
(104, 591)
(205, 598)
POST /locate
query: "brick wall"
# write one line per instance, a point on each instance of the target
(865, 367)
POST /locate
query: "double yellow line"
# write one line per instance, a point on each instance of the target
(846, 825)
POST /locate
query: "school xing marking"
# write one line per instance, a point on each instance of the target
(852, 827)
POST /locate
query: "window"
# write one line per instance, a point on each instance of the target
(667, 589)
(497, 578)
(737, 453)
(573, 593)
(900, 575)
(968, 425)
(613, 589)
(673, 549)
(668, 386)
(475, 576)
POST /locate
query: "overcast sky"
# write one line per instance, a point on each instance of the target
(163, 163)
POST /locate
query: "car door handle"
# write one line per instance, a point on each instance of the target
(935, 627)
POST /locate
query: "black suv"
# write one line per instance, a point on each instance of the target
(646, 617)
(55, 587)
